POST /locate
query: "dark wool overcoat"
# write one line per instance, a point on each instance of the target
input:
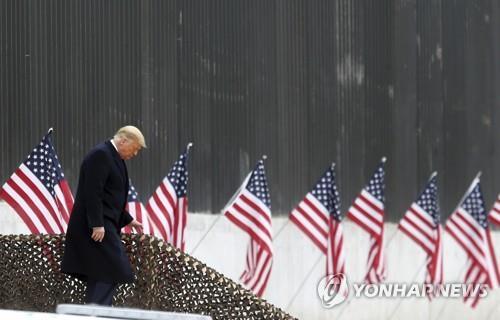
(100, 201)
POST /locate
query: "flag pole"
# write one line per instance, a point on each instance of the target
(295, 295)
(205, 234)
(473, 183)
(245, 182)
(397, 229)
(392, 237)
(288, 220)
(471, 186)
(397, 306)
(393, 313)
(312, 268)
(387, 243)
(228, 204)
(433, 174)
(443, 307)
(459, 203)
(400, 301)
(383, 160)
(281, 229)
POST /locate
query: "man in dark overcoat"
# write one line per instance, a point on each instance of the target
(93, 250)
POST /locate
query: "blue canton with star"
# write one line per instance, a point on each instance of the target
(428, 201)
(178, 175)
(376, 185)
(474, 205)
(44, 164)
(326, 192)
(132, 193)
(257, 184)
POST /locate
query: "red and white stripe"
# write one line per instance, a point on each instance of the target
(435, 274)
(376, 263)
(258, 268)
(419, 226)
(368, 213)
(335, 256)
(180, 223)
(476, 241)
(253, 217)
(494, 215)
(64, 201)
(312, 218)
(27, 195)
(168, 214)
(137, 210)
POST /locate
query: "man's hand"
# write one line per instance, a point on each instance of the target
(98, 234)
(136, 225)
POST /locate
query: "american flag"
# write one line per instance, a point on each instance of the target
(136, 210)
(494, 215)
(318, 216)
(167, 207)
(250, 210)
(468, 225)
(422, 224)
(257, 269)
(367, 212)
(38, 191)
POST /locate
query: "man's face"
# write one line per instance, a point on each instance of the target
(128, 149)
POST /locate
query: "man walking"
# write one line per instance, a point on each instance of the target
(93, 250)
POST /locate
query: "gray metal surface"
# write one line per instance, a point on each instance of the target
(305, 82)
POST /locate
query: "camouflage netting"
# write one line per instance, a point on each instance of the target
(167, 280)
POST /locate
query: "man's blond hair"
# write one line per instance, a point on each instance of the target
(131, 133)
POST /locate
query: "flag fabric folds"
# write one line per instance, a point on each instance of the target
(38, 191)
(137, 210)
(422, 224)
(318, 216)
(257, 268)
(250, 210)
(367, 212)
(494, 215)
(468, 225)
(167, 207)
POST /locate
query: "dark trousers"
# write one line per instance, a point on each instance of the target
(100, 292)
